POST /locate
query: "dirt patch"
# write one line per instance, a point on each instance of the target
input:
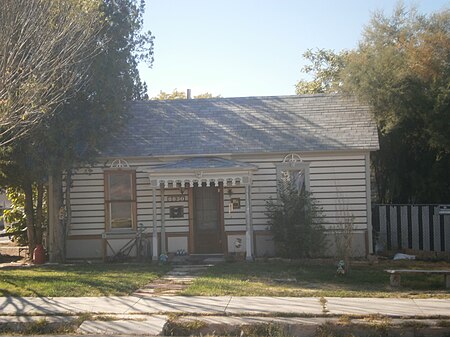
(11, 254)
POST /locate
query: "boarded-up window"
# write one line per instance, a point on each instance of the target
(120, 199)
(295, 178)
(294, 174)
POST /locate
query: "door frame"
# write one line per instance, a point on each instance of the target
(221, 216)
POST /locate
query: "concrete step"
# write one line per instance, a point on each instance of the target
(179, 279)
(195, 259)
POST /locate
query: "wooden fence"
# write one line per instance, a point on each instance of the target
(417, 227)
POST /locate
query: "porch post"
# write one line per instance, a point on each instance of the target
(249, 224)
(163, 225)
(155, 228)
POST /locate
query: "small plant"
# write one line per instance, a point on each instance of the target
(443, 324)
(323, 302)
(15, 217)
(343, 235)
(263, 329)
(40, 326)
(183, 328)
(345, 320)
(327, 330)
(414, 324)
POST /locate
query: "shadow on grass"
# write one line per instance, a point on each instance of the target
(316, 279)
(78, 280)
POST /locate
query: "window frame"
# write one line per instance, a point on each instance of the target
(108, 201)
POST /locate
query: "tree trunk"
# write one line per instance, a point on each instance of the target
(55, 229)
(39, 218)
(29, 215)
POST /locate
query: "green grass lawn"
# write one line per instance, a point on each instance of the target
(317, 278)
(77, 280)
(312, 278)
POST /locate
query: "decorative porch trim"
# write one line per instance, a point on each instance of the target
(166, 180)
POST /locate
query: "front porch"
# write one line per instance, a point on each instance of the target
(204, 186)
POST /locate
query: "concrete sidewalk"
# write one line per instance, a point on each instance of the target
(203, 305)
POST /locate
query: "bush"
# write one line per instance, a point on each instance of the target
(15, 217)
(296, 223)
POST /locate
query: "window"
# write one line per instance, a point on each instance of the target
(120, 199)
(294, 174)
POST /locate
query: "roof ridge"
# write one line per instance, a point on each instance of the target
(243, 98)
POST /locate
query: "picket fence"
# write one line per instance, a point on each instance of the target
(417, 227)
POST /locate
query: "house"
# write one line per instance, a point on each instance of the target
(194, 175)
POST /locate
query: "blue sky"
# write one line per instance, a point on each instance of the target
(250, 47)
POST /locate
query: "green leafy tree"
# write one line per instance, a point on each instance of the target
(324, 66)
(206, 95)
(80, 127)
(401, 69)
(295, 220)
(23, 171)
(176, 94)
(16, 219)
(85, 123)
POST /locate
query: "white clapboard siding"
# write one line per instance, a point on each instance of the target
(90, 225)
(87, 188)
(240, 228)
(79, 178)
(92, 207)
(76, 232)
(89, 220)
(334, 169)
(81, 201)
(337, 163)
(265, 227)
(338, 183)
(337, 176)
(350, 207)
(339, 220)
(348, 201)
(87, 195)
(339, 195)
(86, 183)
(87, 214)
(344, 213)
(337, 189)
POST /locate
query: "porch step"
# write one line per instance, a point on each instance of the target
(198, 259)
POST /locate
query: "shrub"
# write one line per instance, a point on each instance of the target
(295, 220)
(15, 216)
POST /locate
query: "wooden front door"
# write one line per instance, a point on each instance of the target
(207, 220)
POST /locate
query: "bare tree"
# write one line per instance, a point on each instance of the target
(45, 51)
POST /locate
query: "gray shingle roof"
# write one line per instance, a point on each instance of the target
(245, 125)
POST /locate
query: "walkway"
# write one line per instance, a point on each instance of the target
(203, 305)
(179, 278)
